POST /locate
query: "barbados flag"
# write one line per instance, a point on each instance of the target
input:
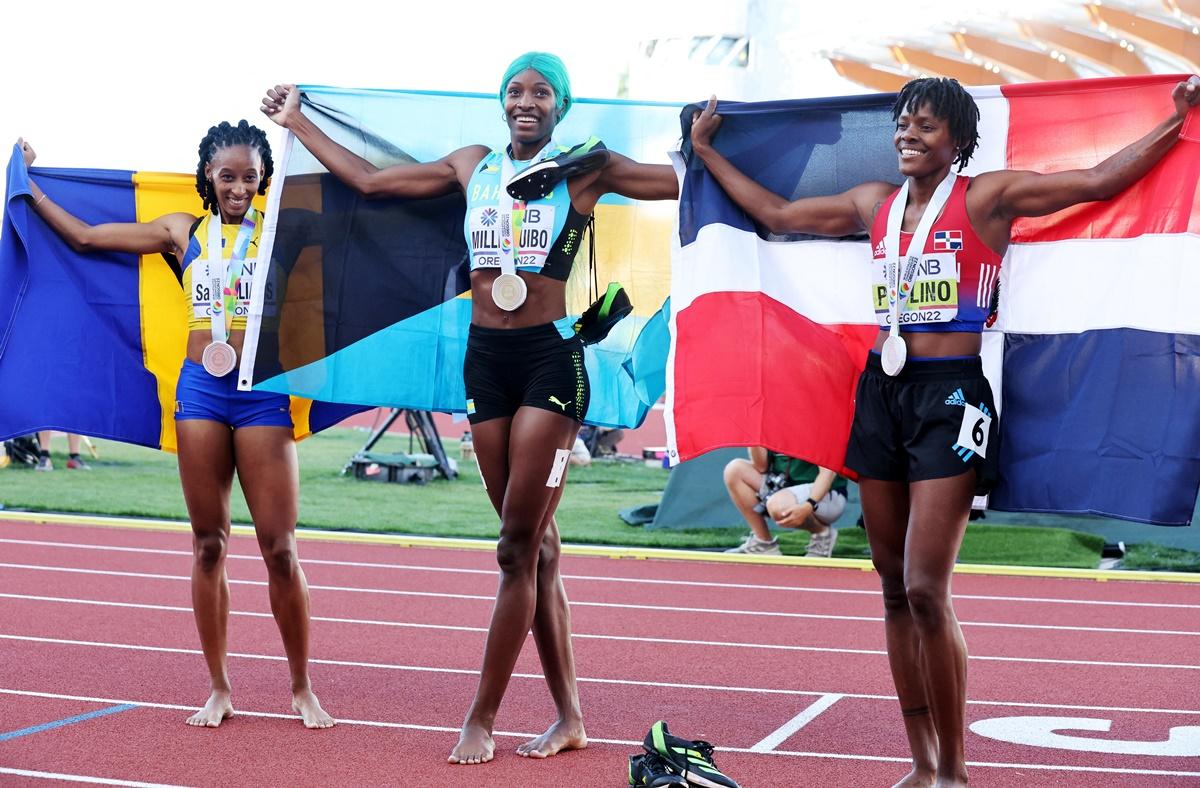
(1095, 357)
(93, 343)
(374, 303)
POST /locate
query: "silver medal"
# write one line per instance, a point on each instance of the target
(219, 359)
(894, 354)
(508, 292)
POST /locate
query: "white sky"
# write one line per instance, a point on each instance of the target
(134, 85)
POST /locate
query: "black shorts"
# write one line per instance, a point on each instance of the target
(908, 428)
(540, 367)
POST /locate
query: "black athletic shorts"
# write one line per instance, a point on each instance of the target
(540, 366)
(934, 420)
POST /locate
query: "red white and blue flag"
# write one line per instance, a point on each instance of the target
(1095, 356)
(947, 241)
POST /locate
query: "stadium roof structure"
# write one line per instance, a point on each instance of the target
(1065, 41)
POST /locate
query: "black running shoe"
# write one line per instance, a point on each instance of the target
(691, 759)
(648, 769)
(538, 180)
(595, 323)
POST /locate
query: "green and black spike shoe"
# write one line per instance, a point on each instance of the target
(538, 180)
(691, 759)
(650, 770)
(595, 323)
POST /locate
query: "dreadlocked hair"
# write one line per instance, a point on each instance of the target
(946, 99)
(225, 135)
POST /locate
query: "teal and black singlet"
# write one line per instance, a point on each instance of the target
(551, 234)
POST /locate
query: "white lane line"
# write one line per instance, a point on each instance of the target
(631, 580)
(428, 669)
(588, 636)
(607, 579)
(616, 605)
(789, 728)
(619, 742)
(81, 778)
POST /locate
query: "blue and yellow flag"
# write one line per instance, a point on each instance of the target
(93, 343)
(372, 298)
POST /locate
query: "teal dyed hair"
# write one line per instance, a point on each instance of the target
(549, 66)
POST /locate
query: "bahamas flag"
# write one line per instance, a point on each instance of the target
(1095, 357)
(93, 343)
(367, 302)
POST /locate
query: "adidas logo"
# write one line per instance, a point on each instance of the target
(957, 398)
(879, 250)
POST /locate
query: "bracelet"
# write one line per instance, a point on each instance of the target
(812, 503)
(38, 201)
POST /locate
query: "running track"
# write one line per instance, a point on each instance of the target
(780, 664)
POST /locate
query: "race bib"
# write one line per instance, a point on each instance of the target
(932, 296)
(976, 426)
(537, 233)
(202, 282)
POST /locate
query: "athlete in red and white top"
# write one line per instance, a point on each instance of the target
(915, 497)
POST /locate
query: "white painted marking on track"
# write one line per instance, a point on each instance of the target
(792, 726)
(631, 580)
(627, 606)
(574, 635)
(587, 636)
(1182, 741)
(465, 672)
(82, 778)
(618, 742)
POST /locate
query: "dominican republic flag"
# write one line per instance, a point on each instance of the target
(1095, 356)
(947, 240)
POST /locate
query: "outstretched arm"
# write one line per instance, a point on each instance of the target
(840, 214)
(622, 175)
(426, 179)
(165, 234)
(1023, 193)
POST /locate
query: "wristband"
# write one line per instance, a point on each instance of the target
(811, 503)
(38, 201)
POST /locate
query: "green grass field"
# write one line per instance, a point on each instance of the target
(137, 482)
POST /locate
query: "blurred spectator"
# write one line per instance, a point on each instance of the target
(794, 493)
(580, 454)
(74, 461)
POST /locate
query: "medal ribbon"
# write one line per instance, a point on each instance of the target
(512, 212)
(226, 276)
(900, 286)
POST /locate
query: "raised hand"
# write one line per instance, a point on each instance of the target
(281, 104)
(26, 151)
(705, 124)
(1186, 95)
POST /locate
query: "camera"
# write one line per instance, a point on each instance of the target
(772, 483)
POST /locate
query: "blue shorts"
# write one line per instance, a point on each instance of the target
(199, 395)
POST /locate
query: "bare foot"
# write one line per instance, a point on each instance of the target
(561, 736)
(957, 780)
(475, 745)
(305, 703)
(917, 778)
(215, 711)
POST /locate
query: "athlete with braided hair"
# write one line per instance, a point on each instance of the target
(220, 429)
(916, 400)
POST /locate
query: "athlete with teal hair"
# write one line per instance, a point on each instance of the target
(527, 388)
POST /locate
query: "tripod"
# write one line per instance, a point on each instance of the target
(421, 426)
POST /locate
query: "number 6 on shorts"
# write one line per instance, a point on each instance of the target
(975, 429)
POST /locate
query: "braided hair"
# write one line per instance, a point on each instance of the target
(225, 135)
(947, 100)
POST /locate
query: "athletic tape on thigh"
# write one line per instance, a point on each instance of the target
(560, 464)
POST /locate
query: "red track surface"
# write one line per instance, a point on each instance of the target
(725, 652)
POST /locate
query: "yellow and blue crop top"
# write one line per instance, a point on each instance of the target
(197, 283)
